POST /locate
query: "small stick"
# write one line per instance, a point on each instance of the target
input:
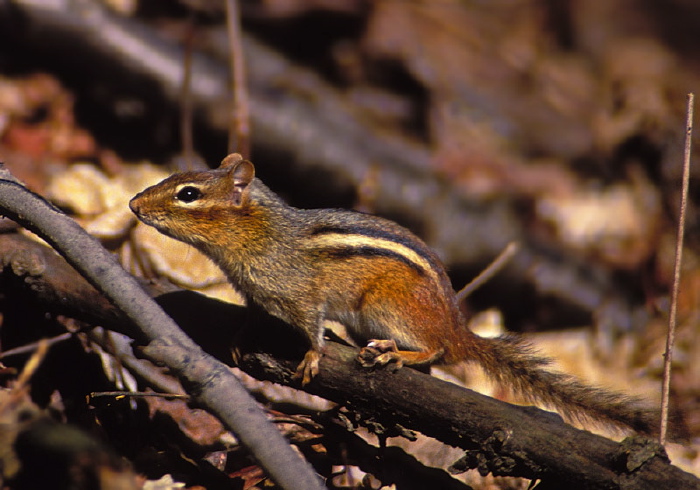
(133, 394)
(32, 365)
(671, 337)
(25, 349)
(186, 119)
(239, 133)
(19, 388)
(491, 270)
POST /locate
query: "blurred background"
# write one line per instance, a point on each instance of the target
(555, 124)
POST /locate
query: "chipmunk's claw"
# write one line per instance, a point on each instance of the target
(308, 367)
(384, 352)
(380, 353)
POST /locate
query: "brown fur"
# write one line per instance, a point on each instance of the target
(377, 278)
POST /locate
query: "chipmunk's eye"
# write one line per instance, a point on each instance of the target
(189, 194)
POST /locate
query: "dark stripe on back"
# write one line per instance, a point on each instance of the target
(347, 252)
(375, 233)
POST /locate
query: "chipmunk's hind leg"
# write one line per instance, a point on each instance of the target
(397, 327)
(383, 352)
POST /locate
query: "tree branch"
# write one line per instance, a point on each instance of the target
(210, 382)
(497, 437)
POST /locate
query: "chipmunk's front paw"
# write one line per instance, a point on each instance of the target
(380, 353)
(308, 367)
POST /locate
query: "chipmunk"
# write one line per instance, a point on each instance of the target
(370, 274)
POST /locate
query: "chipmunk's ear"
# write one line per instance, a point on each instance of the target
(241, 174)
(231, 160)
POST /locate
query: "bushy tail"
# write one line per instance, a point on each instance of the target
(514, 363)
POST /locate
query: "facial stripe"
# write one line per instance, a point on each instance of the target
(355, 244)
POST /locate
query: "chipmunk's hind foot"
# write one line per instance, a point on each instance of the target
(383, 352)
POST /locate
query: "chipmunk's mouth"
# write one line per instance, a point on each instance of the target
(136, 208)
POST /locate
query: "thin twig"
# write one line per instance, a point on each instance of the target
(25, 349)
(491, 270)
(671, 337)
(133, 394)
(33, 364)
(239, 133)
(30, 368)
(186, 103)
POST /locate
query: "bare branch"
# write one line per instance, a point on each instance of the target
(215, 386)
(491, 270)
(25, 349)
(504, 439)
(671, 336)
(132, 394)
(239, 134)
(186, 110)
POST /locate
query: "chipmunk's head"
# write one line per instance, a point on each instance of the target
(189, 206)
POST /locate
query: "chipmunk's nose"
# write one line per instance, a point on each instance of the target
(134, 205)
